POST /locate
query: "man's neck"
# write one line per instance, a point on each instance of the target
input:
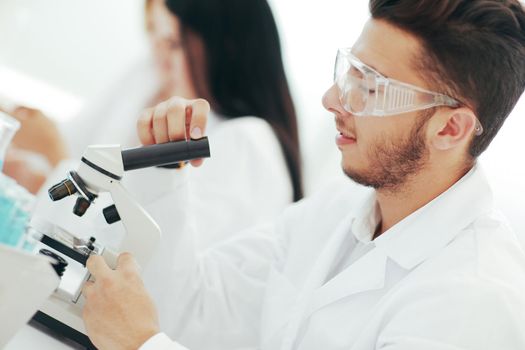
(427, 185)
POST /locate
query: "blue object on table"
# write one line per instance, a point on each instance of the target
(15, 201)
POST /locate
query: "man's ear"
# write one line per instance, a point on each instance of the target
(452, 128)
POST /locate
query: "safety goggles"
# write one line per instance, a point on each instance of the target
(365, 92)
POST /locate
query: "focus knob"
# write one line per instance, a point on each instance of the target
(111, 214)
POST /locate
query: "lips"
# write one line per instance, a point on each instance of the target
(345, 139)
(346, 134)
(344, 129)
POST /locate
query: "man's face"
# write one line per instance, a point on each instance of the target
(382, 152)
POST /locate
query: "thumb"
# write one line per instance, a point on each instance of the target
(126, 262)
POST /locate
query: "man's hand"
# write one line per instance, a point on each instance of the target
(118, 314)
(173, 120)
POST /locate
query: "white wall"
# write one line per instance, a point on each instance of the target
(69, 50)
(311, 33)
(56, 54)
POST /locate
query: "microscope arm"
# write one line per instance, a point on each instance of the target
(142, 233)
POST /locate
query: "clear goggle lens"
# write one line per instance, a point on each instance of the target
(353, 86)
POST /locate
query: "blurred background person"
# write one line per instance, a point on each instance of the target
(38, 148)
(228, 52)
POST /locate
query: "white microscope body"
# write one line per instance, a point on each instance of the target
(101, 170)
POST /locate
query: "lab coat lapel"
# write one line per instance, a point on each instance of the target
(316, 279)
(326, 259)
(367, 273)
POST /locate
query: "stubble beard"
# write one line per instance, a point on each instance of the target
(393, 163)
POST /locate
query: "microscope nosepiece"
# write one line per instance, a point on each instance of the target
(62, 190)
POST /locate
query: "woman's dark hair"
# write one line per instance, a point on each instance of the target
(242, 73)
(473, 50)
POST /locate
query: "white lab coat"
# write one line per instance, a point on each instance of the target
(450, 276)
(245, 181)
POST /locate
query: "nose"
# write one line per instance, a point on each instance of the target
(331, 101)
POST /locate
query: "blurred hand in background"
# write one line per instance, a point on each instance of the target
(36, 148)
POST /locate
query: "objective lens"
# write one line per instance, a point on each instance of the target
(81, 206)
(61, 190)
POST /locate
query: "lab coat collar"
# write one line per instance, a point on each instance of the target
(367, 273)
(408, 243)
(365, 219)
(433, 226)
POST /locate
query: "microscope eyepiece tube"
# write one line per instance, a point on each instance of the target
(165, 153)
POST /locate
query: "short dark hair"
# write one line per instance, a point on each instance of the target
(473, 50)
(244, 71)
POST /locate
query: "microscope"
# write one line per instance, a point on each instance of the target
(101, 170)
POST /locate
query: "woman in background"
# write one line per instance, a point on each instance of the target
(226, 51)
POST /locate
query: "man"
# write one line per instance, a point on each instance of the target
(422, 261)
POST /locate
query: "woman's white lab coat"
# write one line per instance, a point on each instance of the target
(450, 276)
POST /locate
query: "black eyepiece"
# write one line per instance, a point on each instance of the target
(81, 206)
(62, 190)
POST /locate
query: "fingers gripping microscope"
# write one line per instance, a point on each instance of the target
(100, 170)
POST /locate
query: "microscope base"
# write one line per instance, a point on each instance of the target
(62, 330)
